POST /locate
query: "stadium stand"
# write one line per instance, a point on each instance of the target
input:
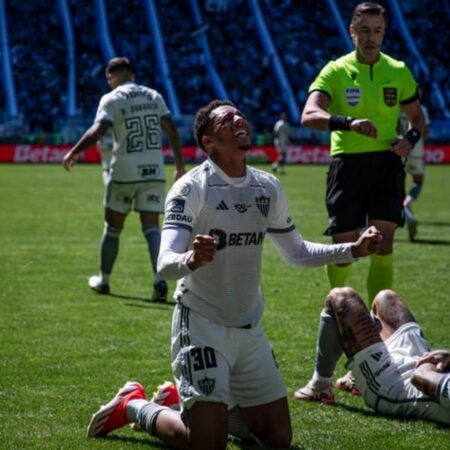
(185, 56)
(38, 54)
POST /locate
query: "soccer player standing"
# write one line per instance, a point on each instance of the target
(358, 97)
(137, 116)
(281, 142)
(415, 166)
(216, 219)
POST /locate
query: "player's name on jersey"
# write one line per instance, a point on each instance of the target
(143, 107)
(136, 93)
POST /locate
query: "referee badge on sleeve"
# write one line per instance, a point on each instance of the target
(390, 96)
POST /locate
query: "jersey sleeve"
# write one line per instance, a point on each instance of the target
(183, 203)
(165, 111)
(280, 219)
(105, 110)
(324, 82)
(408, 88)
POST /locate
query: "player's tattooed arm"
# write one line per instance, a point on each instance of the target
(429, 371)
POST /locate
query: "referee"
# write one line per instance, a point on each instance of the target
(358, 97)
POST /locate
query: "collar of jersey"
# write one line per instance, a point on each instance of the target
(362, 65)
(236, 182)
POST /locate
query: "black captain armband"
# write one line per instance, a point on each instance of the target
(412, 136)
(340, 123)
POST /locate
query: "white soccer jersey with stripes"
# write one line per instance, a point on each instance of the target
(383, 375)
(134, 112)
(237, 213)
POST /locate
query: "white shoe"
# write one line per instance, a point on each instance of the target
(316, 392)
(96, 285)
(347, 383)
(411, 223)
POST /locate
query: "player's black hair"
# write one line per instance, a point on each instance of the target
(119, 63)
(369, 9)
(202, 119)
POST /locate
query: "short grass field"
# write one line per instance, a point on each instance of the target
(65, 350)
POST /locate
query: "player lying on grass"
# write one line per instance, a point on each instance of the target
(216, 219)
(392, 364)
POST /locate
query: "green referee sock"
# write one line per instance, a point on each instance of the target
(337, 275)
(381, 274)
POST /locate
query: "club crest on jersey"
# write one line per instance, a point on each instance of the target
(390, 96)
(263, 204)
(207, 385)
(352, 95)
(182, 190)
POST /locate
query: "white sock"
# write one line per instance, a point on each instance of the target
(133, 408)
(104, 278)
(317, 379)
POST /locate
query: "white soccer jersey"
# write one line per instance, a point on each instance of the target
(237, 215)
(135, 113)
(383, 374)
(281, 133)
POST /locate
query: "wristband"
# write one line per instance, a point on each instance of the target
(412, 136)
(340, 123)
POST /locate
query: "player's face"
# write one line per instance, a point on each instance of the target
(230, 129)
(368, 35)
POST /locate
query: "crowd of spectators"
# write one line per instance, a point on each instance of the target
(305, 37)
(185, 56)
(130, 36)
(245, 69)
(38, 68)
(432, 42)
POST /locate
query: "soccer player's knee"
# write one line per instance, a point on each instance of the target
(384, 298)
(341, 300)
(174, 431)
(279, 438)
(111, 231)
(341, 294)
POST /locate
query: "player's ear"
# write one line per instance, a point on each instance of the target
(351, 30)
(208, 144)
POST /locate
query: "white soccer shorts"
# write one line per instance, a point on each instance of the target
(146, 197)
(213, 363)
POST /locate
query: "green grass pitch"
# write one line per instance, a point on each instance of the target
(65, 350)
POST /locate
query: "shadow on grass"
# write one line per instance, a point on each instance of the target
(431, 242)
(425, 241)
(155, 443)
(160, 444)
(435, 224)
(147, 302)
(369, 413)
(354, 409)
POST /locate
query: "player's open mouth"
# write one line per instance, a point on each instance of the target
(241, 133)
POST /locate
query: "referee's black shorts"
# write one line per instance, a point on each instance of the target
(363, 187)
